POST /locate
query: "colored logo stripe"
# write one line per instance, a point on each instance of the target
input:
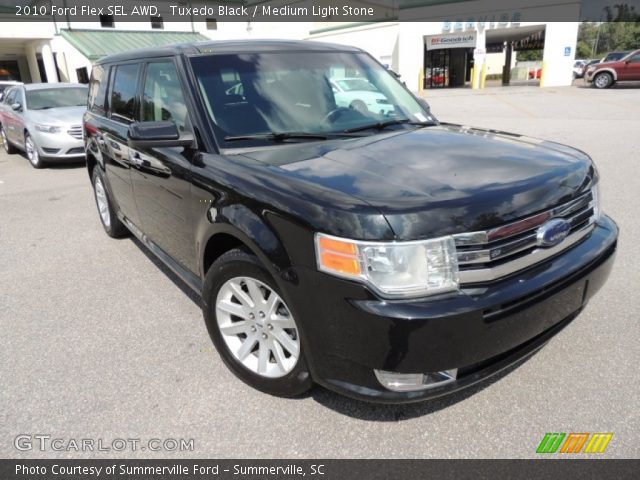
(574, 442)
(550, 443)
(598, 442)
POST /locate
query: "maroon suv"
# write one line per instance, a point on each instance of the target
(603, 75)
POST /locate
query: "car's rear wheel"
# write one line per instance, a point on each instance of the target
(252, 327)
(10, 149)
(110, 221)
(31, 150)
(603, 80)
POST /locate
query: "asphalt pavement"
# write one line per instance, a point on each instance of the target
(101, 342)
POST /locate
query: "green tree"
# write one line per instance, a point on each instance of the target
(596, 39)
(529, 55)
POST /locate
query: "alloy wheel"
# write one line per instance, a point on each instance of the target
(32, 151)
(103, 203)
(5, 142)
(257, 327)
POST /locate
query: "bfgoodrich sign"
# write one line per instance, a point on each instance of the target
(451, 40)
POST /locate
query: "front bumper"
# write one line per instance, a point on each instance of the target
(59, 146)
(348, 333)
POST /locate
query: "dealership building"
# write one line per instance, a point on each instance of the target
(454, 44)
(446, 44)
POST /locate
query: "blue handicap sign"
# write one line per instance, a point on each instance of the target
(567, 51)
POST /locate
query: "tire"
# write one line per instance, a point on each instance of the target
(10, 149)
(31, 149)
(359, 106)
(603, 80)
(107, 213)
(273, 362)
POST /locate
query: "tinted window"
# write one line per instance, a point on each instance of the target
(163, 98)
(635, 59)
(264, 92)
(46, 98)
(123, 95)
(98, 90)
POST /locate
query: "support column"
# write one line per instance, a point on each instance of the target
(479, 55)
(506, 69)
(32, 60)
(49, 64)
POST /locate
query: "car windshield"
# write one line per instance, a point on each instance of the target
(356, 84)
(46, 98)
(255, 94)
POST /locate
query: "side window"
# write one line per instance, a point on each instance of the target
(19, 97)
(163, 98)
(11, 95)
(635, 59)
(98, 90)
(123, 94)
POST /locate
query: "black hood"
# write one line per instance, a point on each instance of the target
(443, 179)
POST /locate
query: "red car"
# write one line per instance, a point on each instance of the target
(535, 73)
(605, 74)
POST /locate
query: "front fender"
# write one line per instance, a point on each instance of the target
(253, 230)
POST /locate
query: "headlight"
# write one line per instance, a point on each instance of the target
(393, 269)
(48, 128)
(595, 193)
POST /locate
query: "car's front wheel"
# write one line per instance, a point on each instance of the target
(5, 142)
(603, 80)
(252, 327)
(31, 150)
(359, 106)
(110, 221)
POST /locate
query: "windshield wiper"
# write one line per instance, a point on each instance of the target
(282, 136)
(388, 123)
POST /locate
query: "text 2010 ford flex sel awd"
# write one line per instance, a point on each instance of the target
(363, 246)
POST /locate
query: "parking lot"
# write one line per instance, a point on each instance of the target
(101, 342)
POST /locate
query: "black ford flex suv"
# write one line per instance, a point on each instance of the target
(374, 251)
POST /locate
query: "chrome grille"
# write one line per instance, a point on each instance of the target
(489, 255)
(76, 132)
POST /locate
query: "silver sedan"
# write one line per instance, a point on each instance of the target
(45, 121)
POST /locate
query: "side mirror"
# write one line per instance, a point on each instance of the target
(17, 107)
(158, 135)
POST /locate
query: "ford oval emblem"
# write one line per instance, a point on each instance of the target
(553, 232)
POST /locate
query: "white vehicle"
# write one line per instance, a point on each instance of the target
(359, 94)
(578, 68)
(5, 84)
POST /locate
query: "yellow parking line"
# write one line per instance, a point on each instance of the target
(513, 105)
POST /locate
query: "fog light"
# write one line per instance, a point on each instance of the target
(409, 382)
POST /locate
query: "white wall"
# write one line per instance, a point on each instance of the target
(74, 59)
(380, 40)
(558, 67)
